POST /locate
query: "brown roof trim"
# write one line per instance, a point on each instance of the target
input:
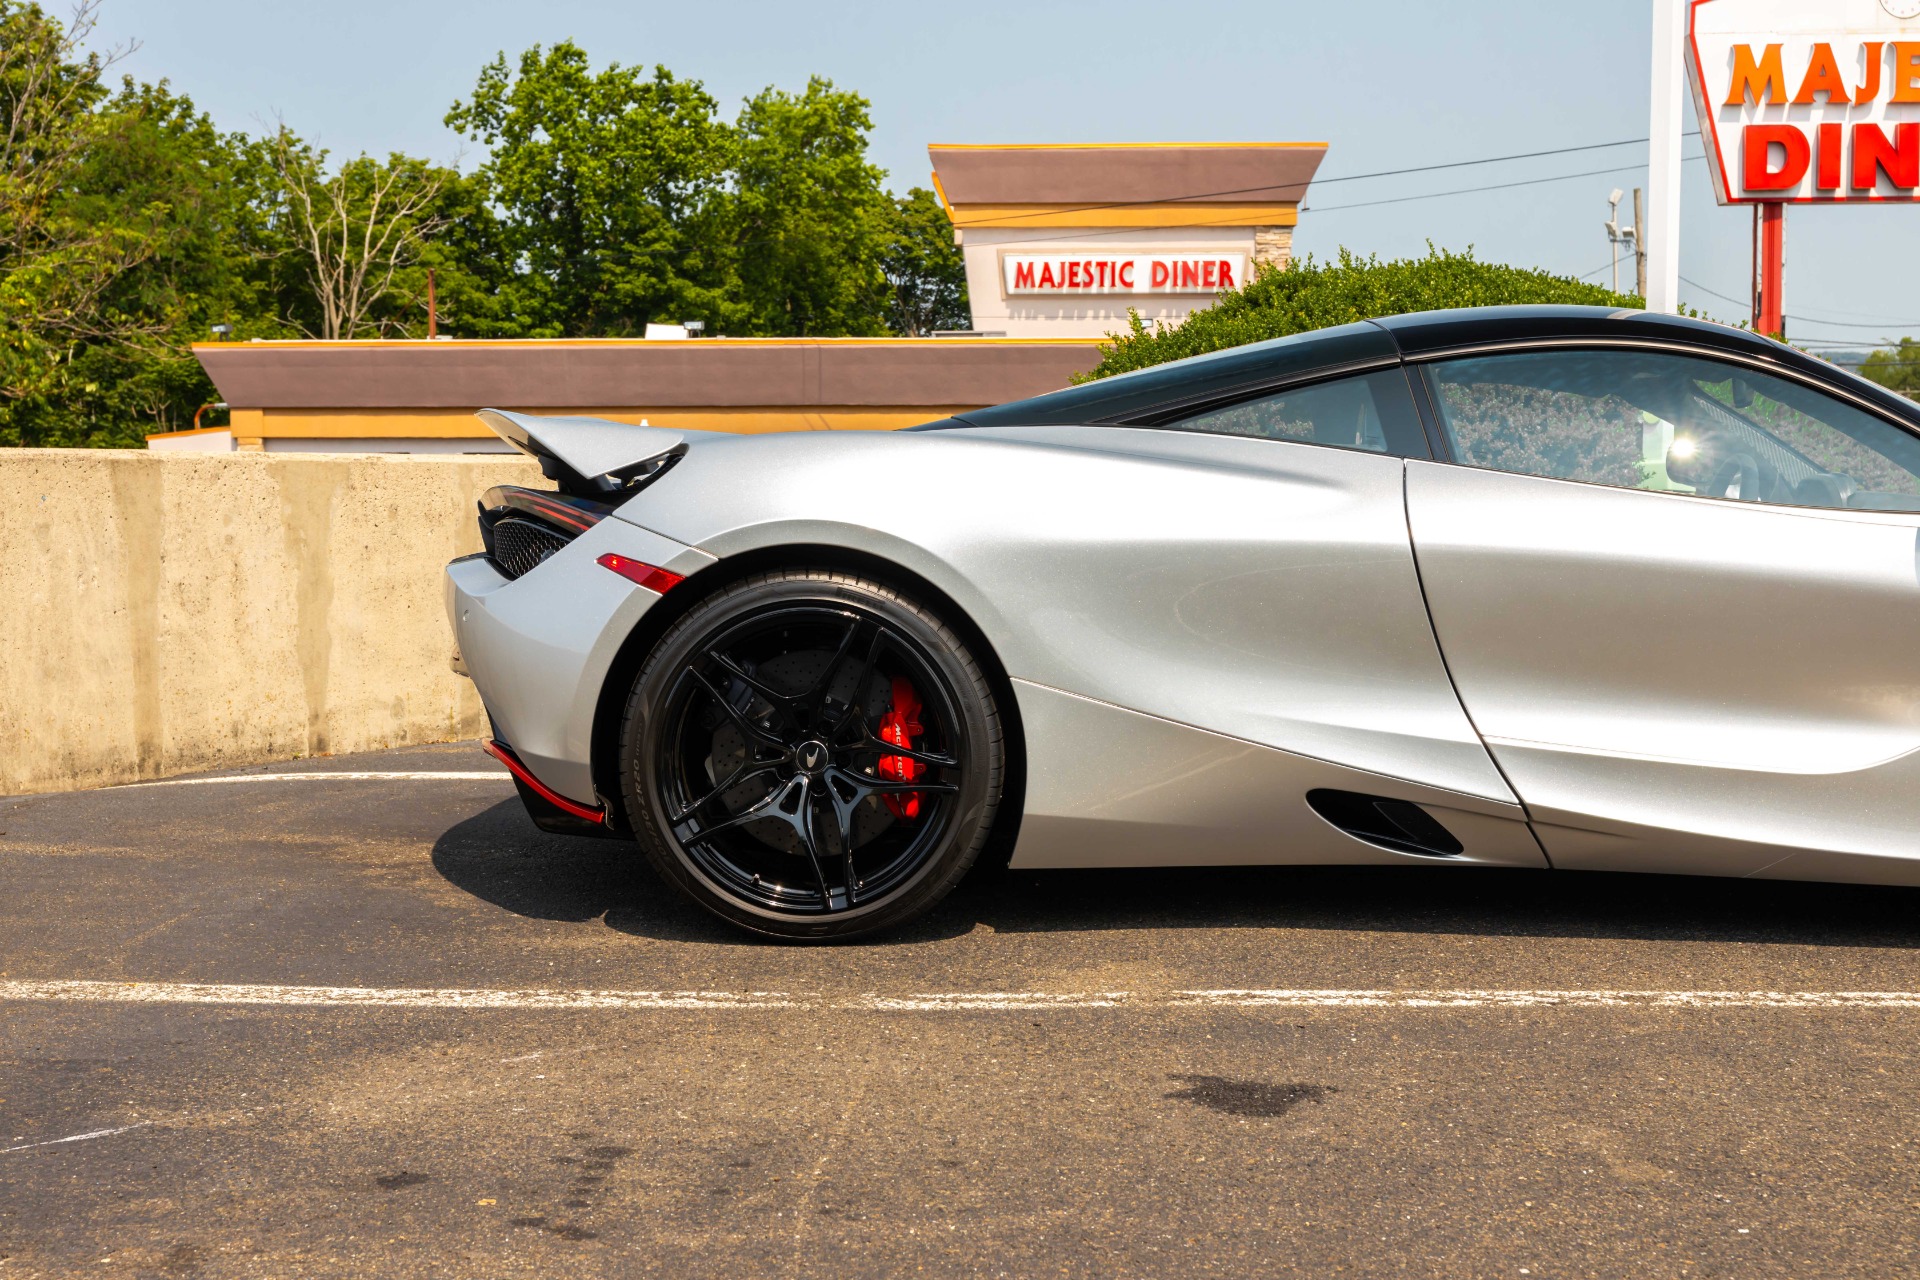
(707, 373)
(1127, 173)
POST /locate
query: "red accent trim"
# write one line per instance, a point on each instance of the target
(504, 754)
(652, 577)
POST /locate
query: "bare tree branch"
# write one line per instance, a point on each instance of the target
(359, 228)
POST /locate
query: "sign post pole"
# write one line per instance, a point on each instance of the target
(1773, 269)
(1661, 232)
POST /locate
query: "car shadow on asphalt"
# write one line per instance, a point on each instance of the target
(498, 856)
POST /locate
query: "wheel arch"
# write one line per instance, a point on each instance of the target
(610, 706)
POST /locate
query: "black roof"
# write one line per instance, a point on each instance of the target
(1380, 341)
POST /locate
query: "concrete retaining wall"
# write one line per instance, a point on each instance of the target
(161, 613)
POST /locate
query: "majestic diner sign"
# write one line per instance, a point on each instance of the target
(1098, 274)
(1808, 101)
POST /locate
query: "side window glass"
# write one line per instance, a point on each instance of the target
(1371, 411)
(1674, 424)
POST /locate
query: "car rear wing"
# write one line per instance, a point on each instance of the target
(591, 456)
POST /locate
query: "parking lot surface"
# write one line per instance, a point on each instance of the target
(379, 1025)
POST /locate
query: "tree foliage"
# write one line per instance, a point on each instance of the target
(1314, 295)
(1897, 367)
(926, 275)
(606, 185)
(809, 217)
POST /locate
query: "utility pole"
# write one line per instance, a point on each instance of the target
(1639, 246)
(433, 308)
(1618, 235)
(1661, 235)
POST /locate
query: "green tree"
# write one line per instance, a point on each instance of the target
(1896, 368)
(607, 187)
(159, 162)
(1311, 295)
(128, 224)
(56, 266)
(810, 218)
(925, 270)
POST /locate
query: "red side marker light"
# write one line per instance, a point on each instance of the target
(652, 577)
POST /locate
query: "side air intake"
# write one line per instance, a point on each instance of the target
(1399, 825)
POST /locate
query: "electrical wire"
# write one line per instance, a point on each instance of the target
(1239, 220)
(1350, 177)
(1468, 191)
(1804, 318)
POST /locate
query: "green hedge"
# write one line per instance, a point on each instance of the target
(1312, 295)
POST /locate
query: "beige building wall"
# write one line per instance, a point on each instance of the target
(172, 612)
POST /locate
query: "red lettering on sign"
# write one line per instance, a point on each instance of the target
(1226, 274)
(1826, 169)
(1874, 153)
(1126, 274)
(1823, 76)
(1758, 142)
(1871, 59)
(1023, 275)
(1206, 273)
(1046, 276)
(1189, 275)
(1160, 274)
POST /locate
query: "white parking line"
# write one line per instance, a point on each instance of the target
(92, 991)
(78, 1137)
(429, 775)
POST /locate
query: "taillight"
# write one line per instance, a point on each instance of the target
(650, 576)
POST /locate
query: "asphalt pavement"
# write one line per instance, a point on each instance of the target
(380, 1026)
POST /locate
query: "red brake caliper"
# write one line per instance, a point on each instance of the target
(899, 727)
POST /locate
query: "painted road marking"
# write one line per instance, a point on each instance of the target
(83, 991)
(465, 775)
(78, 1137)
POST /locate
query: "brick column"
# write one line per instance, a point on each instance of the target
(1272, 247)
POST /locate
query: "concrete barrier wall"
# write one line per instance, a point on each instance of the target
(170, 612)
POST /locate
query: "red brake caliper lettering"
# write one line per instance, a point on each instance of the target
(899, 727)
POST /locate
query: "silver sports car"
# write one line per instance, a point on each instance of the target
(1504, 587)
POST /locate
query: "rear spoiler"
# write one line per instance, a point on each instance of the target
(601, 456)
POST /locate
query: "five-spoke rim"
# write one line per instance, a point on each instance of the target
(772, 771)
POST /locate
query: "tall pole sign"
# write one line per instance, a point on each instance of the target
(1805, 102)
(1660, 234)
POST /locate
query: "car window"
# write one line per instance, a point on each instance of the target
(1674, 424)
(1371, 411)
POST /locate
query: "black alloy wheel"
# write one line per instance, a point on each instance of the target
(812, 755)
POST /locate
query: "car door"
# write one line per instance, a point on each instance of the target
(1678, 597)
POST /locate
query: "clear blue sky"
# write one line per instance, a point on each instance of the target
(1389, 83)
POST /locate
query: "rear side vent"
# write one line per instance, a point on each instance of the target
(1399, 825)
(520, 545)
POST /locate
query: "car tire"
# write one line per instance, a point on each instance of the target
(862, 741)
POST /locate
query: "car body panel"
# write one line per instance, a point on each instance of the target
(1108, 787)
(1260, 589)
(1686, 665)
(538, 647)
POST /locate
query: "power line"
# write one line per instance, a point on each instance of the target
(1351, 177)
(1237, 219)
(1807, 319)
(1468, 191)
